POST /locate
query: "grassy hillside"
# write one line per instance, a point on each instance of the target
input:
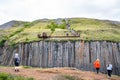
(93, 29)
(89, 29)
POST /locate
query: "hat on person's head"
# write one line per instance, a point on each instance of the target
(16, 55)
(97, 59)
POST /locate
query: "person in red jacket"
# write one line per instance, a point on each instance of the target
(97, 65)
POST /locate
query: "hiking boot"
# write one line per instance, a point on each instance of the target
(17, 70)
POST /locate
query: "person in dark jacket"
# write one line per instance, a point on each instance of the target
(16, 62)
(109, 69)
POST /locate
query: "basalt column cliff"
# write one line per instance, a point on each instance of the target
(77, 54)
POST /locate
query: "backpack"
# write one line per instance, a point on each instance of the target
(17, 60)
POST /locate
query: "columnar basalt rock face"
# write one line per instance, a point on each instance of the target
(77, 54)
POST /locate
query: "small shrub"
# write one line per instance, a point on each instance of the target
(3, 39)
(26, 66)
(71, 77)
(5, 76)
(26, 40)
(12, 44)
(2, 42)
(27, 25)
(67, 77)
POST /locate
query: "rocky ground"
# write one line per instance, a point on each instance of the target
(58, 74)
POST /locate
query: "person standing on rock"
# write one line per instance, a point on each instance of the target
(97, 65)
(16, 62)
(109, 69)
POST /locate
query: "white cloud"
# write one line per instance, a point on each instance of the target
(35, 9)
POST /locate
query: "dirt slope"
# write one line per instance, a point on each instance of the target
(58, 74)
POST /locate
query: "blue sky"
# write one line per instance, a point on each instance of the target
(29, 10)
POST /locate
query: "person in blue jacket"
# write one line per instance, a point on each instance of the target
(16, 62)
